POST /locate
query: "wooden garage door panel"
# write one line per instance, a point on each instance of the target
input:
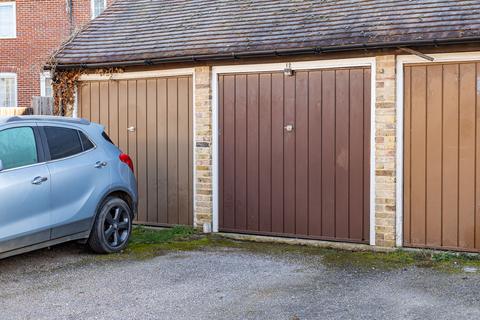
(441, 156)
(312, 182)
(161, 146)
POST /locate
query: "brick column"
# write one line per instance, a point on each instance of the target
(385, 150)
(203, 202)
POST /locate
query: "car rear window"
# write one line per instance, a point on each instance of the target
(63, 142)
(106, 137)
(86, 143)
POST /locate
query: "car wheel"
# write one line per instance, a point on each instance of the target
(112, 227)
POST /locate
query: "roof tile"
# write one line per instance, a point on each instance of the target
(159, 29)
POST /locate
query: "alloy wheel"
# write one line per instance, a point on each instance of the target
(116, 226)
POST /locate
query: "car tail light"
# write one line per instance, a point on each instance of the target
(125, 158)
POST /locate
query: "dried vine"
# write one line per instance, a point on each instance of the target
(64, 84)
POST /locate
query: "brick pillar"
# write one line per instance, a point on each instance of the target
(203, 202)
(385, 150)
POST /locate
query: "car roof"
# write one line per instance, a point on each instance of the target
(12, 119)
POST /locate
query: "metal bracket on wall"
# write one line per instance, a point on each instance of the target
(417, 53)
(288, 72)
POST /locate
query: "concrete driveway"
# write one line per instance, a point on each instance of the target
(223, 282)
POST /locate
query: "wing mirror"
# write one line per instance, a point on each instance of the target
(1, 165)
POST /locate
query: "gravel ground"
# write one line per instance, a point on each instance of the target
(68, 283)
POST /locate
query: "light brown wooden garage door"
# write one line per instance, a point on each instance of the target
(311, 181)
(160, 110)
(441, 156)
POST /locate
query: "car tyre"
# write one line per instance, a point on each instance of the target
(112, 228)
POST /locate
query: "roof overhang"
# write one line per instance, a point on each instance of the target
(266, 53)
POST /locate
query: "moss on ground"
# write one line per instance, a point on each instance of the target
(148, 243)
(370, 260)
(455, 262)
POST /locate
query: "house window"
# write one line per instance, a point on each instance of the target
(8, 90)
(8, 24)
(46, 85)
(97, 7)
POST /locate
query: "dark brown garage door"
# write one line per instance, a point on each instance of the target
(160, 111)
(441, 156)
(309, 180)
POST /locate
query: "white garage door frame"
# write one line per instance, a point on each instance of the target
(304, 65)
(147, 75)
(402, 60)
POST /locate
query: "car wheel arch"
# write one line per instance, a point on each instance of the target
(122, 194)
(117, 192)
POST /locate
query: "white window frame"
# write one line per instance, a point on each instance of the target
(43, 85)
(10, 75)
(13, 4)
(92, 8)
(402, 60)
(304, 65)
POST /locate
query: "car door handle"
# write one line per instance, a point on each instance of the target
(39, 180)
(100, 164)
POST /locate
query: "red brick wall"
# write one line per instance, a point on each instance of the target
(42, 25)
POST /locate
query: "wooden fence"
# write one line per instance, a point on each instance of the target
(15, 111)
(42, 105)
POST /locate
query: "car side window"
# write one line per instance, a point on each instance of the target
(86, 143)
(18, 147)
(63, 142)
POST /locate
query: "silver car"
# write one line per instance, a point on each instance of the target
(62, 179)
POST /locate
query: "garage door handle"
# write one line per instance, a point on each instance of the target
(131, 129)
(289, 128)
